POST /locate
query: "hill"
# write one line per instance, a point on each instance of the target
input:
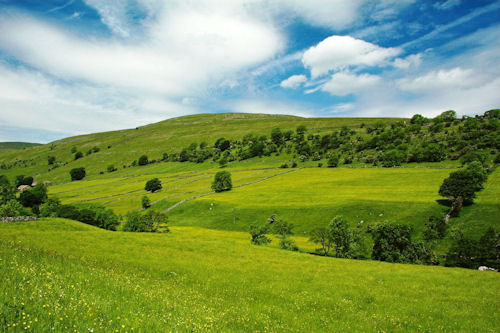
(9, 146)
(62, 275)
(120, 148)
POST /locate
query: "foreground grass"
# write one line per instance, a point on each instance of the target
(62, 275)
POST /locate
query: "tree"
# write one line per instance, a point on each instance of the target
(393, 243)
(22, 180)
(393, 158)
(34, 196)
(461, 187)
(222, 144)
(77, 173)
(12, 208)
(333, 161)
(153, 185)
(340, 236)
(322, 236)
(283, 229)
(6, 190)
(222, 181)
(258, 234)
(418, 119)
(51, 160)
(301, 129)
(78, 155)
(277, 136)
(146, 203)
(143, 160)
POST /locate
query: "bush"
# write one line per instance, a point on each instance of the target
(50, 208)
(94, 214)
(12, 208)
(143, 160)
(77, 173)
(111, 168)
(393, 158)
(435, 228)
(146, 203)
(222, 181)
(222, 144)
(149, 222)
(288, 244)
(258, 234)
(51, 160)
(333, 161)
(153, 185)
(78, 155)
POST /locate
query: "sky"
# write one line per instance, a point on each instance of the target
(82, 66)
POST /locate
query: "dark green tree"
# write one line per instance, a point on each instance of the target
(143, 160)
(153, 185)
(333, 161)
(277, 136)
(77, 173)
(222, 181)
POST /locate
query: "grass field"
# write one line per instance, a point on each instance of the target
(61, 275)
(10, 146)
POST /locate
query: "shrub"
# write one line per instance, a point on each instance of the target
(146, 203)
(435, 228)
(78, 155)
(143, 160)
(288, 244)
(333, 161)
(393, 158)
(51, 160)
(77, 173)
(111, 168)
(149, 222)
(153, 185)
(222, 181)
(258, 234)
(73, 150)
(12, 208)
(50, 208)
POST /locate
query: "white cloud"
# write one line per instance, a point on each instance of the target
(455, 78)
(339, 52)
(184, 50)
(344, 83)
(293, 82)
(413, 60)
(447, 4)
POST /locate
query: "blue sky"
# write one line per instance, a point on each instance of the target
(82, 66)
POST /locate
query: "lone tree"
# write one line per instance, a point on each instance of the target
(153, 185)
(77, 173)
(461, 186)
(222, 181)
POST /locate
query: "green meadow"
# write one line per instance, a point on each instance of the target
(60, 275)
(205, 275)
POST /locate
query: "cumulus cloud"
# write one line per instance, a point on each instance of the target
(344, 83)
(293, 81)
(339, 52)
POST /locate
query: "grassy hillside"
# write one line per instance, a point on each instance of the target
(170, 136)
(62, 275)
(9, 146)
